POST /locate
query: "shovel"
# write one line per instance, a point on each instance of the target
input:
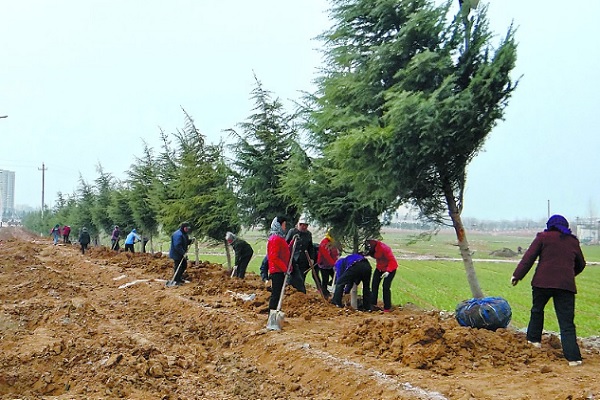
(172, 282)
(275, 321)
(315, 275)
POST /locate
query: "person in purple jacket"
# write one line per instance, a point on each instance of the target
(560, 260)
(350, 270)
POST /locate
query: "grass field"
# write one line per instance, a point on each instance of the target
(439, 282)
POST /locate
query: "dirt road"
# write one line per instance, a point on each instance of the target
(103, 326)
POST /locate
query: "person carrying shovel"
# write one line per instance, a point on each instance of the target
(278, 256)
(180, 241)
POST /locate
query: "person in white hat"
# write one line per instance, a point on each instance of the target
(304, 245)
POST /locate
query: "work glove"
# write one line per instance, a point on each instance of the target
(385, 275)
(514, 281)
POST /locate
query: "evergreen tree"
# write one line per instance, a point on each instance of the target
(104, 187)
(200, 187)
(261, 150)
(141, 183)
(408, 99)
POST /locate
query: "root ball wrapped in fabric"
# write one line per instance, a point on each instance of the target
(488, 313)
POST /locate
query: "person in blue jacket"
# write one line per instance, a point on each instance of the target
(350, 270)
(180, 242)
(131, 239)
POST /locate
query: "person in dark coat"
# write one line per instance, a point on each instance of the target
(243, 253)
(350, 270)
(300, 262)
(560, 260)
(114, 238)
(180, 242)
(84, 239)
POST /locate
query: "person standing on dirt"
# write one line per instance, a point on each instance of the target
(114, 238)
(180, 242)
(350, 270)
(278, 258)
(55, 232)
(385, 270)
(243, 253)
(304, 244)
(560, 260)
(328, 254)
(66, 232)
(84, 239)
(131, 239)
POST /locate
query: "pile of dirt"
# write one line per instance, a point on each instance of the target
(103, 325)
(504, 252)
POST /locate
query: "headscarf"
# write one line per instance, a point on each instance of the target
(230, 237)
(559, 223)
(276, 228)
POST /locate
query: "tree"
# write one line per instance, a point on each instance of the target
(261, 150)
(202, 193)
(82, 214)
(104, 187)
(141, 183)
(412, 97)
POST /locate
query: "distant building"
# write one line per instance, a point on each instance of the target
(7, 192)
(588, 230)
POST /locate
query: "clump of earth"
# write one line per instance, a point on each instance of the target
(104, 325)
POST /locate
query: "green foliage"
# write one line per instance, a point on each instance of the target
(99, 211)
(119, 209)
(262, 149)
(142, 186)
(200, 189)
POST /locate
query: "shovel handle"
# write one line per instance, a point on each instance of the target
(287, 273)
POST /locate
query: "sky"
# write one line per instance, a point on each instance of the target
(86, 83)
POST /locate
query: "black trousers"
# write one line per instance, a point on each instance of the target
(564, 306)
(83, 247)
(240, 272)
(326, 279)
(129, 247)
(387, 288)
(358, 273)
(277, 280)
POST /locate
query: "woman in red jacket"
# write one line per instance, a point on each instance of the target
(385, 270)
(278, 256)
(559, 260)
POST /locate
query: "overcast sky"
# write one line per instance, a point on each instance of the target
(85, 82)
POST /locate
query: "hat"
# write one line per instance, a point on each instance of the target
(230, 237)
(303, 220)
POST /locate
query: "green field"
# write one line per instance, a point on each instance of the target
(440, 283)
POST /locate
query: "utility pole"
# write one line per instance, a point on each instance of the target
(43, 169)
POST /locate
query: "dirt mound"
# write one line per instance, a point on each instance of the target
(504, 252)
(103, 325)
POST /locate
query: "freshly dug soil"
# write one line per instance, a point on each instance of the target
(104, 326)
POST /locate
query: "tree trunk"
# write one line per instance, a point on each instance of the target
(228, 254)
(463, 244)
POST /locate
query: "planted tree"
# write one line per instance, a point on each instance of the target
(419, 93)
(260, 151)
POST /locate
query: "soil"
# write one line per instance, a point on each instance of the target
(103, 325)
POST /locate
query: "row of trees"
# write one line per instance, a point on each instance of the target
(406, 98)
